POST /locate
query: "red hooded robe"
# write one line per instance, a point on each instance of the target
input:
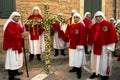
(102, 34)
(13, 37)
(76, 35)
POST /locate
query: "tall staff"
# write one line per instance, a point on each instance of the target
(23, 44)
(25, 57)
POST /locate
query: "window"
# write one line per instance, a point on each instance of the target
(6, 8)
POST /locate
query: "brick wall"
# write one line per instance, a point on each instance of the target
(56, 6)
(109, 8)
(118, 9)
(64, 6)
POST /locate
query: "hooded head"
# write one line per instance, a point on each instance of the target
(13, 18)
(78, 18)
(59, 16)
(98, 17)
(87, 15)
(36, 10)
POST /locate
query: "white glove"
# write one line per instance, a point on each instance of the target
(110, 48)
(109, 51)
(79, 47)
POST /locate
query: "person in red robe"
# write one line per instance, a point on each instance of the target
(102, 39)
(58, 39)
(36, 35)
(77, 39)
(87, 21)
(12, 43)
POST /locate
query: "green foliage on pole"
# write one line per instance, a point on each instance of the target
(46, 23)
(47, 39)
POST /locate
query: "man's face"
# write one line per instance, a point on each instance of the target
(98, 18)
(35, 12)
(76, 19)
(112, 21)
(16, 18)
(88, 16)
(59, 17)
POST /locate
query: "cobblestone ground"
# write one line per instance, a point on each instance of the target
(59, 69)
(61, 72)
(35, 67)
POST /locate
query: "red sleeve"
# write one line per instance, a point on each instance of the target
(91, 35)
(67, 33)
(70, 20)
(21, 29)
(82, 35)
(27, 27)
(56, 27)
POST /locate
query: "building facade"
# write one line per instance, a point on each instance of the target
(63, 6)
(56, 6)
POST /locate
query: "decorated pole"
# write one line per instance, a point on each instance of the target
(46, 23)
(47, 39)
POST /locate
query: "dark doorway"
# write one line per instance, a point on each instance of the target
(92, 6)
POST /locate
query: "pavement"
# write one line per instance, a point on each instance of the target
(59, 69)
